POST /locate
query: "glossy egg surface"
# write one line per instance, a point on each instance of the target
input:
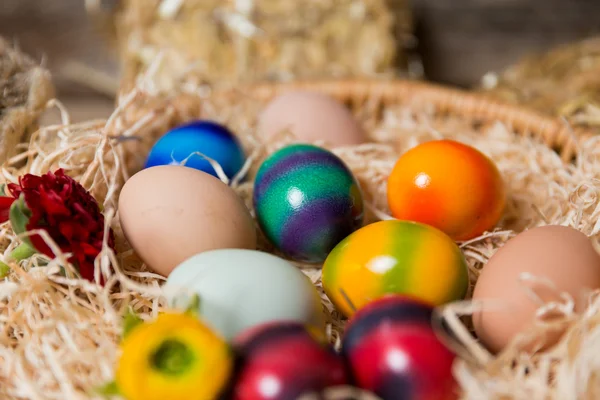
(394, 257)
(306, 201)
(239, 289)
(283, 361)
(209, 138)
(393, 351)
(449, 185)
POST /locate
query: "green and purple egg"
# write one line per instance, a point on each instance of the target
(306, 201)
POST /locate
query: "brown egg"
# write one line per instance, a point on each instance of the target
(170, 213)
(561, 254)
(310, 116)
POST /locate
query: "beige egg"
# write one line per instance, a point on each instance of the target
(310, 116)
(560, 254)
(171, 213)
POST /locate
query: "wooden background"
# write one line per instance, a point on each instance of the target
(459, 40)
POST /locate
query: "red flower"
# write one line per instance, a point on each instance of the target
(62, 207)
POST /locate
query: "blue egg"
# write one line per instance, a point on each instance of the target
(209, 138)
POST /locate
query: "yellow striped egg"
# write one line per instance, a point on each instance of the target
(398, 257)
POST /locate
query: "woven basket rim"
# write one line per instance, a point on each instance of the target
(554, 132)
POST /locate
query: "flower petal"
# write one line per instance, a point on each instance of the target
(5, 203)
(69, 214)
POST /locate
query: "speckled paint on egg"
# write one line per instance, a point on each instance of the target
(394, 257)
(206, 137)
(392, 350)
(307, 201)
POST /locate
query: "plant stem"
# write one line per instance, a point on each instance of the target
(22, 252)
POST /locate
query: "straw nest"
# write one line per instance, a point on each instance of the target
(25, 87)
(564, 81)
(215, 40)
(59, 335)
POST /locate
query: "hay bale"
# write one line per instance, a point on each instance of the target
(563, 82)
(215, 40)
(25, 88)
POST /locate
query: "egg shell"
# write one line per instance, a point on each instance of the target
(240, 289)
(281, 361)
(206, 137)
(560, 254)
(392, 256)
(392, 350)
(310, 116)
(306, 201)
(449, 185)
(170, 213)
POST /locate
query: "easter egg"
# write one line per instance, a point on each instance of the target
(309, 117)
(399, 257)
(211, 139)
(306, 201)
(563, 262)
(170, 213)
(239, 289)
(284, 361)
(449, 185)
(393, 351)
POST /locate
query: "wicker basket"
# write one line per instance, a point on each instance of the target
(145, 117)
(554, 132)
(478, 112)
(355, 92)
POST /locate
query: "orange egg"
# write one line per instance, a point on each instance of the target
(448, 185)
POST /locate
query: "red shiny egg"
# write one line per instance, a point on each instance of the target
(282, 361)
(392, 350)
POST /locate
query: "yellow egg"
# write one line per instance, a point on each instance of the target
(394, 257)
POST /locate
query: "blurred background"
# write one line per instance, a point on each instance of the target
(456, 41)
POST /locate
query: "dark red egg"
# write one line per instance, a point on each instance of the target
(282, 361)
(392, 350)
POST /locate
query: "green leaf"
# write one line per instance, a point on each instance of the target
(19, 215)
(130, 322)
(2, 189)
(193, 307)
(108, 390)
(23, 251)
(4, 270)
